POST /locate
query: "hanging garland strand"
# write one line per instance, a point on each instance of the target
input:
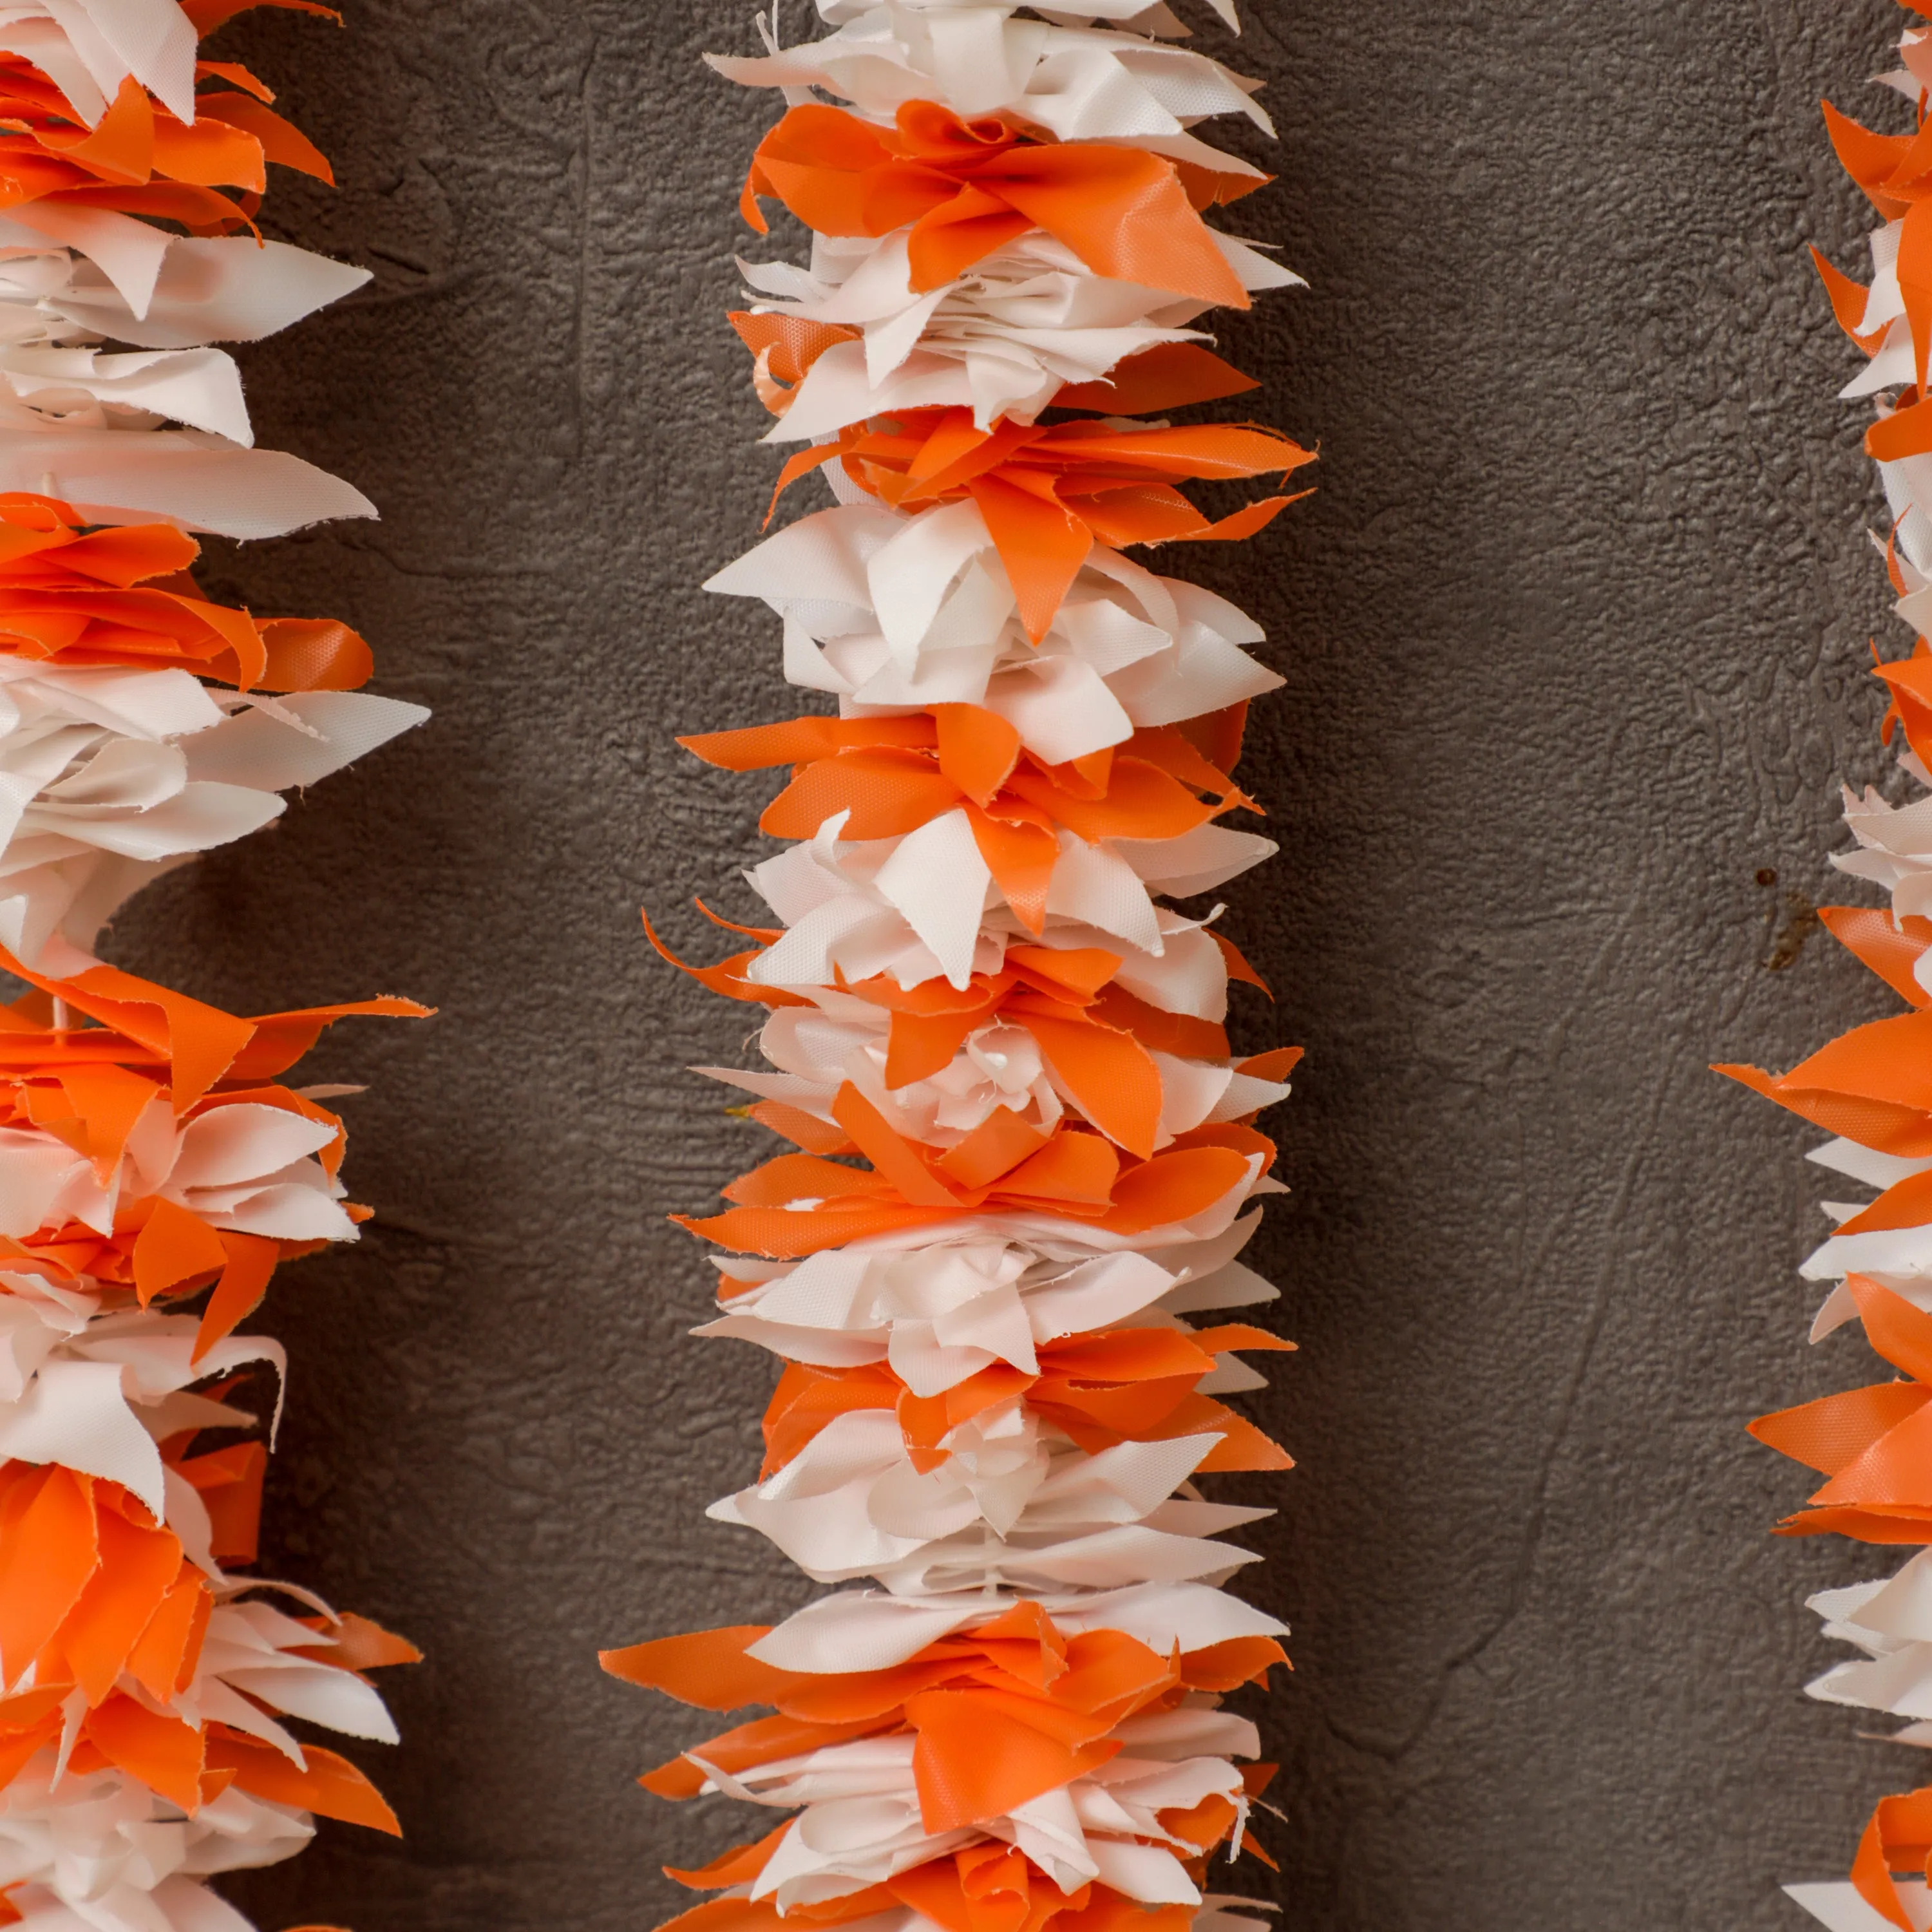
(996, 1266)
(151, 1155)
(1871, 1089)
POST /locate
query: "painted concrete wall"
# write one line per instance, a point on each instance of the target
(1574, 636)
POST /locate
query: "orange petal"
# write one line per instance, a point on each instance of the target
(138, 1567)
(162, 1752)
(331, 1785)
(49, 1549)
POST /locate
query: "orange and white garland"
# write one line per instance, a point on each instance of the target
(1871, 1089)
(997, 1268)
(151, 1153)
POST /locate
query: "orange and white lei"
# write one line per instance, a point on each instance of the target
(998, 1267)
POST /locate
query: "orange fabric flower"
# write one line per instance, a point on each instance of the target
(1002, 1713)
(1098, 1038)
(121, 595)
(799, 1203)
(95, 1594)
(1101, 1386)
(1897, 1839)
(139, 160)
(1050, 491)
(985, 1887)
(966, 188)
(892, 775)
(87, 1085)
(1874, 1444)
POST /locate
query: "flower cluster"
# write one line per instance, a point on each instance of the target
(998, 1267)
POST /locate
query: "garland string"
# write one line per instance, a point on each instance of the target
(1871, 1089)
(150, 1152)
(997, 1267)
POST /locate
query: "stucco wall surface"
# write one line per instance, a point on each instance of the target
(1575, 637)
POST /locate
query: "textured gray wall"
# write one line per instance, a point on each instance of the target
(1574, 640)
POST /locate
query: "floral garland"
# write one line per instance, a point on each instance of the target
(1027, 1163)
(149, 1152)
(1871, 1089)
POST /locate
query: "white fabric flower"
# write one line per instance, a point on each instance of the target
(924, 906)
(942, 1310)
(242, 1166)
(873, 1630)
(71, 273)
(249, 1658)
(861, 1823)
(97, 1387)
(87, 48)
(1891, 1621)
(1079, 83)
(1014, 1504)
(109, 776)
(842, 1039)
(1000, 339)
(1894, 849)
(889, 612)
(103, 1853)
